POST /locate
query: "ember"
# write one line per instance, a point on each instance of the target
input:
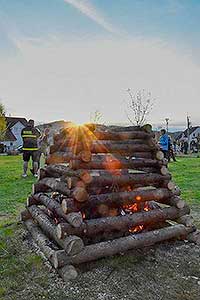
(102, 186)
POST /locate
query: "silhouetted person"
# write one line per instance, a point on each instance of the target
(30, 137)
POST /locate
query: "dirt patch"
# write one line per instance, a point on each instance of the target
(167, 271)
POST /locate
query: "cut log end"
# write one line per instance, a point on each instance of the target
(164, 170)
(24, 216)
(73, 245)
(75, 219)
(67, 273)
(194, 237)
(160, 155)
(85, 156)
(80, 194)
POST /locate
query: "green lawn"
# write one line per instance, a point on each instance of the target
(13, 188)
(17, 265)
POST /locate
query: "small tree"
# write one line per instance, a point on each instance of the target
(96, 117)
(2, 122)
(140, 105)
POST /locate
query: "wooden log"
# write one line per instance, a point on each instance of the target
(51, 184)
(109, 162)
(194, 237)
(75, 219)
(122, 180)
(174, 201)
(133, 241)
(80, 194)
(71, 245)
(24, 216)
(111, 135)
(164, 170)
(118, 199)
(159, 155)
(186, 220)
(101, 146)
(69, 205)
(58, 170)
(42, 241)
(93, 227)
(169, 184)
(67, 273)
(55, 158)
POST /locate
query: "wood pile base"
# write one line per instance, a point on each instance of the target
(106, 193)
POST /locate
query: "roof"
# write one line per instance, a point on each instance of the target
(191, 130)
(9, 136)
(11, 121)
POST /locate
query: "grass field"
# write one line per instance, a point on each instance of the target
(17, 266)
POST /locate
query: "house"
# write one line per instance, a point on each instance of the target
(12, 138)
(194, 132)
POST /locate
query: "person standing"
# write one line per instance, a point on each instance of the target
(30, 137)
(164, 143)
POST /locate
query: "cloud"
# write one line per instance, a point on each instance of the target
(86, 8)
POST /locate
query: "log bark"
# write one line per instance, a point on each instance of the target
(110, 163)
(174, 201)
(111, 135)
(186, 220)
(122, 180)
(94, 146)
(42, 241)
(57, 170)
(90, 228)
(71, 245)
(118, 199)
(51, 184)
(109, 248)
(50, 251)
(55, 158)
(75, 219)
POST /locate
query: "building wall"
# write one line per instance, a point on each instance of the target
(196, 133)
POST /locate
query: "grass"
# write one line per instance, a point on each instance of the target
(186, 174)
(15, 264)
(13, 188)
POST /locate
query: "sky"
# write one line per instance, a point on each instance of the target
(66, 59)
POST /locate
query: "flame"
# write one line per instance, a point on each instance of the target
(137, 228)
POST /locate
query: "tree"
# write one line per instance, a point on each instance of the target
(96, 117)
(140, 105)
(2, 122)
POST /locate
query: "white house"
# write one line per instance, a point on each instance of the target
(194, 132)
(13, 138)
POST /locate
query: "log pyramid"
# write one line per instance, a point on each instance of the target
(104, 190)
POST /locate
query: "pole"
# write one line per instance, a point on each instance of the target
(188, 132)
(167, 124)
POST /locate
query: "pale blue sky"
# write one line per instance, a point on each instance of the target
(89, 50)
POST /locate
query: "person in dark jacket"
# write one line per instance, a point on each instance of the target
(30, 137)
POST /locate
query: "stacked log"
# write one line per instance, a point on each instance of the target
(101, 192)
